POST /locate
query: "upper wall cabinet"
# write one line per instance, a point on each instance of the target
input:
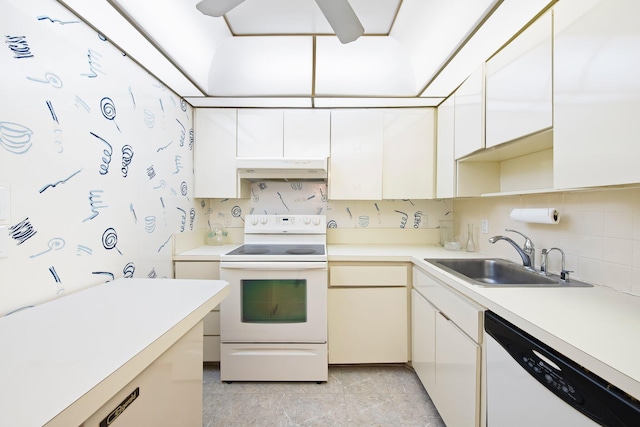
(469, 115)
(356, 155)
(408, 170)
(518, 91)
(596, 93)
(270, 133)
(214, 157)
(382, 154)
(307, 133)
(260, 133)
(445, 161)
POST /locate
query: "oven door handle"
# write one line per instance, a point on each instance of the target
(275, 265)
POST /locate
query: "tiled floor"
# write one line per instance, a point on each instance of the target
(353, 396)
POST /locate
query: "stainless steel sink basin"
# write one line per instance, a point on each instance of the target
(492, 272)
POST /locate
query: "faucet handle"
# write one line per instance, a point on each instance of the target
(564, 275)
(528, 243)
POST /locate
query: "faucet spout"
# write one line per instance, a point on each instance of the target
(526, 259)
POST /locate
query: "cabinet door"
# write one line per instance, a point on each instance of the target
(408, 166)
(356, 155)
(260, 133)
(445, 160)
(204, 270)
(368, 325)
(423, 340)
(457, 395)
(596, 93)
(469, 115)
(307, 133)
(214, 157)
(518, 86)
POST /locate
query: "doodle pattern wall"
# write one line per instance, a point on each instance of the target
(308, 198)
(96, 153)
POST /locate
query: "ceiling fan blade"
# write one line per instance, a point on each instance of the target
(217, 7)
(342, 19)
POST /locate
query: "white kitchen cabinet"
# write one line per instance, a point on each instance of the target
(423, 339)
(469, 114)
(457, 374)
(446, 348)
(518, 89)
(207, 270)
(368, 313)
(596, 92)
(408, 160)
(260, 133)
(356, 155)
(445, 156)
(307, 133)
(214, 157)
(382, 154)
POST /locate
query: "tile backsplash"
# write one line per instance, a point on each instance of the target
(599, 230)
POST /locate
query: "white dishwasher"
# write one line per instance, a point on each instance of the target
(530, 384)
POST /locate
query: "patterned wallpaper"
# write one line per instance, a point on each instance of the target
(96, 153)
(300, 197)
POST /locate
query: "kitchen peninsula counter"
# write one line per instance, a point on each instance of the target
(63, 360)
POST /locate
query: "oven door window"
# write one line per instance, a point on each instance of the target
(274, 301)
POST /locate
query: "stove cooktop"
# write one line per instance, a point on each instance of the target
(278, 249)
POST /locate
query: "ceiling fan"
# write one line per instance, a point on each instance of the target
(338, 13)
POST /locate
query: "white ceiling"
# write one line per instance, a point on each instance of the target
(284, 53)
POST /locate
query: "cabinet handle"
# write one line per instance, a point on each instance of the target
(445, 316)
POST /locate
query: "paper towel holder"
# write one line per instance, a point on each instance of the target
(536, 215)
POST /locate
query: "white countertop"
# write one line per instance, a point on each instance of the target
(597, 327)
(60, 353)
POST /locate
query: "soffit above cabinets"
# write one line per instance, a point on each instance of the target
(283, 52)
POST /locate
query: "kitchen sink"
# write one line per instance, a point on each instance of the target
(495, 272)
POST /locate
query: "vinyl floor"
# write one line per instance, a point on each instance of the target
(353, 396)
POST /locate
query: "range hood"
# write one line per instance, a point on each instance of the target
(282, 169)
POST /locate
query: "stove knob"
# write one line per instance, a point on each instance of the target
(307, 220)
(254, 221)
(264, 220)
(316, 221)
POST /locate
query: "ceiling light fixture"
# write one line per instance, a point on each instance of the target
(338, 13)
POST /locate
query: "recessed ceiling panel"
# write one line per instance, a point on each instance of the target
(264, 17)
(370, 66)
(262, 66)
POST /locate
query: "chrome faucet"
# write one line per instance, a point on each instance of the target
(527, 252)
(564, 274)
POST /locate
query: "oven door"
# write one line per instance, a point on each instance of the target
(274, 302)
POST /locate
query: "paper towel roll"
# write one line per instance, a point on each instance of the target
(537, 215)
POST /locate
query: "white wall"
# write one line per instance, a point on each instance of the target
(599, 230)
(97, 155)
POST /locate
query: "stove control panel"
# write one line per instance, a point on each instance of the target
(292, 224)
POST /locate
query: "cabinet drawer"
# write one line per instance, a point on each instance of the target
(464, 313)
(212, 323)
(368, 275)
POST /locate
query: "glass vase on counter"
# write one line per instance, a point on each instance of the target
(471, 246)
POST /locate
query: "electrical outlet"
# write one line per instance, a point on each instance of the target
(485, 226)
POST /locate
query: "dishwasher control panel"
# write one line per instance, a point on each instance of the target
(549, 375)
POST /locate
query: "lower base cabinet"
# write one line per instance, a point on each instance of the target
(368, 313)
(446, 345)
(204, 270)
